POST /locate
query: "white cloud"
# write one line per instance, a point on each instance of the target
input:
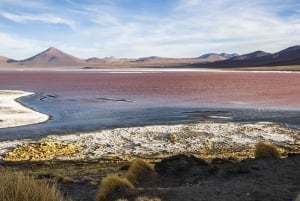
(18, 48)
(192, 28)
(44, 18)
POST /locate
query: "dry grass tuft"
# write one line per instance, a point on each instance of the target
(64, 179)
(139, 171)
(298, 197)
(147, 199)
(266, 150)
(15, 186)
(113, 187)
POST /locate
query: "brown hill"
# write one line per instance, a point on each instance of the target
(51, 57)
(3, 59)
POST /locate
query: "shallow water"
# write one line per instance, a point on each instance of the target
(85, 101)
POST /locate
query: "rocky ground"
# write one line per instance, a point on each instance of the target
(181, 177)
(227, 169)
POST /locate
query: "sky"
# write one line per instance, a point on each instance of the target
(139, 28)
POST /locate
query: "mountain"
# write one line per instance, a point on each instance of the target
(3, 59)
(228, 56)
(54, 58)
(216, 56)
(212, 56)
(143, 59)
(253, 55)
(289, 56)
(95, 60)
(51, 57)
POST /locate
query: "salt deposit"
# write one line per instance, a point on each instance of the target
(158, 141)
(14, 114)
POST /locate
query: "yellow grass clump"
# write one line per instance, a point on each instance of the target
(139, 171)
(41, 151)
(298, 197)
(113, 187)
(147, 199)
(266, 150)
(15, 186)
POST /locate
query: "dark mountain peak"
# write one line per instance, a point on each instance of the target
(292, 54)
(252, 55)
(289, 50)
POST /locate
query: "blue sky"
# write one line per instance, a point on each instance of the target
(137, 28)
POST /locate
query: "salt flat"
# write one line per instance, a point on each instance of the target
(13, 114)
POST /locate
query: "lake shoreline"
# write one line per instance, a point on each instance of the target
(14, 113)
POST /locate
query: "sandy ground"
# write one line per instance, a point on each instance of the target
(13, 114)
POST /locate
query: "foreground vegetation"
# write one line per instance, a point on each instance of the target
(140, 180)
(15, 186)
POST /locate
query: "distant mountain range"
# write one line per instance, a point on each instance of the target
(286, 57)
(53, 57)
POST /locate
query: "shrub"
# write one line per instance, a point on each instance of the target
(15, 186)
(266, 150)
(113, 187)
(139, 171)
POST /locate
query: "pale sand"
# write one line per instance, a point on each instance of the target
(13, 114)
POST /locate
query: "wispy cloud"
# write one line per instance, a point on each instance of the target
(183, 28)
(44, 18)
(19, 48)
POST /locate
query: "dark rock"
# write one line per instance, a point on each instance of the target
(178, 164)
(238, 169)
(293, 154)
(213, 170)
(125, 167)
(255, 168)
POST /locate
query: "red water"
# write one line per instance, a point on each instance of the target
(221, 88)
